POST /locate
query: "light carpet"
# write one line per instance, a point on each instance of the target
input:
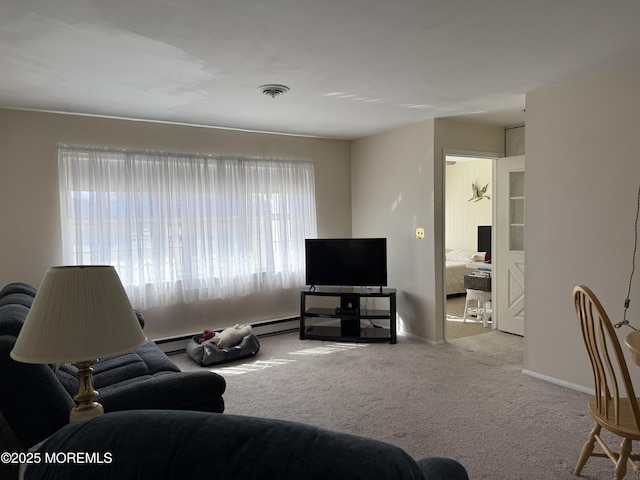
(467, 399)
(455, 328)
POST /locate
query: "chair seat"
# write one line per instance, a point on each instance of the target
(626, 426)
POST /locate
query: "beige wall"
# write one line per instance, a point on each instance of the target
(582, 177)
(514, 141)
(29, 204)
(462, 217)
(392, 175)
(397, 186)
(583, 171)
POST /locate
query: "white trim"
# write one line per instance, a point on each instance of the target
(440, 260)
(562, 383)
(168, 122)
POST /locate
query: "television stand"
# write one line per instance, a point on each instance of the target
(342, 314)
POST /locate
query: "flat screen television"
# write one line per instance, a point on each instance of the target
(358, 262)
(484, 241)
(484, 238)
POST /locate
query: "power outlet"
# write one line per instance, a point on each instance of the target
(419, 233)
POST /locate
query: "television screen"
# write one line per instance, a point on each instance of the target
(484, 238)
(346, 261)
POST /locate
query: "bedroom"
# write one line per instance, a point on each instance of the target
(468, 201)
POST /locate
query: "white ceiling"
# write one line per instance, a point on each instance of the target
(354, 67)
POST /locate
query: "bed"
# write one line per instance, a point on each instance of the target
(456, 268)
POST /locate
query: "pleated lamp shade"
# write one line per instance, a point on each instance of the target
(79, 313)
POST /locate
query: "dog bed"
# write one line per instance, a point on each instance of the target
(209, 353)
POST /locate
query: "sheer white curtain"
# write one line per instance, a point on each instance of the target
(180, 228)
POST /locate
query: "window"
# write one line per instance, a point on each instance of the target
(181, 228)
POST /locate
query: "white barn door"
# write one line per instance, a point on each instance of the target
(509, 244)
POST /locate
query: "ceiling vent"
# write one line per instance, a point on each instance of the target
(273, 90)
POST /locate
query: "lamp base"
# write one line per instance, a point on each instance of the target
(85, 405)
(79, 414)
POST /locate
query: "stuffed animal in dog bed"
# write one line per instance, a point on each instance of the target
(226, 338)
(231, 336)
(207, 335)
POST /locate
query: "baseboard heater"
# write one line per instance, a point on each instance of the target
(178, 344)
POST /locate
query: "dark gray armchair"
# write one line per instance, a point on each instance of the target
(35, 400)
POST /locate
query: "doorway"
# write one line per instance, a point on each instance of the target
(469, 209)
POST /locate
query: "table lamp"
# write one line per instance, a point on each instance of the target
(79, 315)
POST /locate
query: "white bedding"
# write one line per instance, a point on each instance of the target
(454, 277)
(456, 269)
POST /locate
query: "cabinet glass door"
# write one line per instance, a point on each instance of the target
(516, 211)
(508, 288)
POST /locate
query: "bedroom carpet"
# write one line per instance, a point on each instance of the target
(455, 328)
(467, 399)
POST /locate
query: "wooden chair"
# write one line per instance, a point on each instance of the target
(614, 406)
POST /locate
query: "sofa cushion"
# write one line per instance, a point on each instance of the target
(17, 299)
(18, 287)
(32, 400)
(11, 319)
(190, 445)
(139, 365)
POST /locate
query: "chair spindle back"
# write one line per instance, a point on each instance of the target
(610, 373)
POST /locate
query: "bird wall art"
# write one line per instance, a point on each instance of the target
(479, 193)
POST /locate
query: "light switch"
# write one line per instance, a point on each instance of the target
(420, 233)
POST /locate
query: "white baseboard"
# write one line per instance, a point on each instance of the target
(562, 383)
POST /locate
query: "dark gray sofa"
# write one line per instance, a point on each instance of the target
(161, 423)
(35, 400)
(159, 445)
